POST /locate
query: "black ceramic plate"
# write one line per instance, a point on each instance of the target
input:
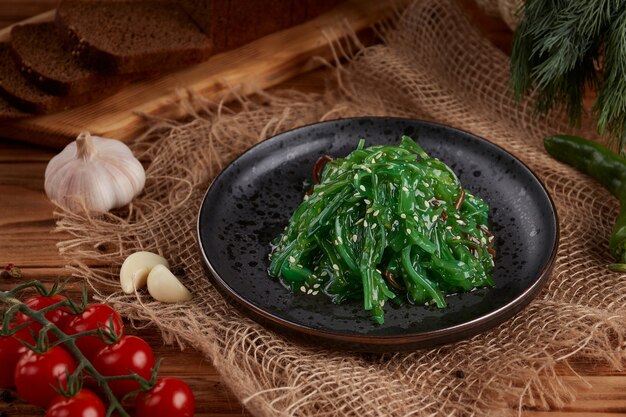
(251, 201)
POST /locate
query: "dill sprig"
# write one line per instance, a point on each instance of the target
(563, 47)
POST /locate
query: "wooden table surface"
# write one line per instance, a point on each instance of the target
(26, 240)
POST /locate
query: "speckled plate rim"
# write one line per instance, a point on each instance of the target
(395, 342)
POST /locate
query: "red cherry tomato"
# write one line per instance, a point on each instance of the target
(35, 373)
(170, 397)
(58, 316)
(83, 404)
(10, 352)
(95, 316)
(129, 354)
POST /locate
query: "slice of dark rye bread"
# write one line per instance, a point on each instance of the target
(232, 23)
(47, 62)
(9, 112)
(126, 36)
(24, 95)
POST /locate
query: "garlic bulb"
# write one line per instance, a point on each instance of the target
(94, 172)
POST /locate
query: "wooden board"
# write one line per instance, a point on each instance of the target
(258, 65)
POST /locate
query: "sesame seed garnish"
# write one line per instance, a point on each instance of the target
(362, 187)
(284, 237)
(426, 184)
(365, 223)
(359, 221)
(336, 242)
(310, 291)
(456, 216)
(406, 190)
(367, 169)
(321, 193)
(382, 303)
(324, 273)
(373, 160)
(426, 203)
(354, 238)
(367, 201)
(416, 218)
(306, 197)
(292, 259)
(376, 213)
(434, 218)
(316, 285)
(369, 210)
(449, 227)
(300, 266)
(402, 216)
(315, 292)
(374, 226)
(303, 288)
(461, 222)
(336, 267)
(408, 231)
(457, 237)
(356, 176)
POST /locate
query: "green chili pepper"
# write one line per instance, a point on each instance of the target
(382, 222)
(606, 167)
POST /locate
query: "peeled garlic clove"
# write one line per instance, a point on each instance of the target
(165, 287)
(94, 173)
(136, 267)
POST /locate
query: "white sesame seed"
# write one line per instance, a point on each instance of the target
(359, 221)
(456, 216)
(457, 237)
(336, 267)
(434, 218)
(292, 259)
(310, 291)
(365, 223)
(367, 169)
(490, 238)
(369, 210)
(321, 193)
(367, 201)
(306, 197)
(449, 227)
(461, 222)
(402, 216)
(362, 187)
(303, 288)
(426, 204)
(315, 292)
(406, 190)
(300, 266)
(354, 238)
(382, 303)
(376, 213)
(378, 270)
(416, 218)
(316, 285)
(356, 176)
(324, 273)
(483, 241)
(374, 226)
(336, 242)
(426, 184)
(373, 160)
(284, 238)
(408, 231)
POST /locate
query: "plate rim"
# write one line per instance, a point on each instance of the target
(424, 339)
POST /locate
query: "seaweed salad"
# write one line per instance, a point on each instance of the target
(385, 223)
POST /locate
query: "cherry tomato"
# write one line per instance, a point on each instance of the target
(58, 316)
(84, 404)
(129, 354)
(34, 374)
(170, 397)
(10, 352)
(95, 316)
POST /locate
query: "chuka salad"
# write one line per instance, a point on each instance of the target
(386, 223)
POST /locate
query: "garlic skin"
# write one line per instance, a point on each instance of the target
(96, 173)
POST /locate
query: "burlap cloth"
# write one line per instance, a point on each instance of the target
(433, 65)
